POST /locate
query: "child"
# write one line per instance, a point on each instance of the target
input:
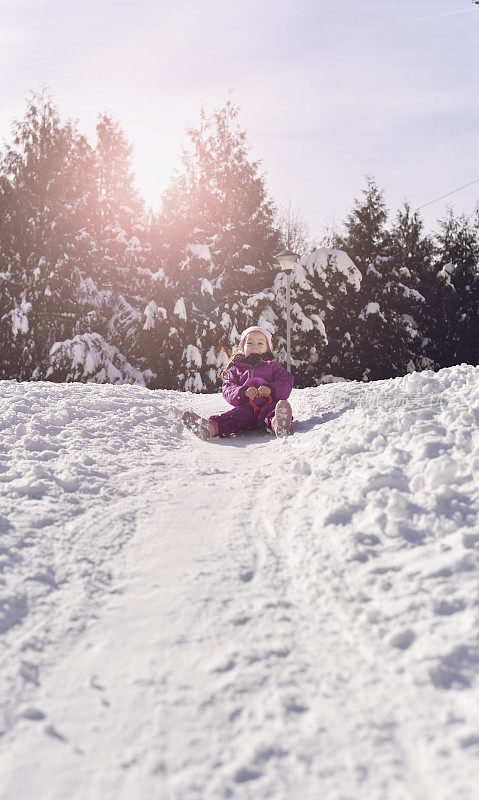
(256, 385)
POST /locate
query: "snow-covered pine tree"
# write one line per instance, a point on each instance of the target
(123, 276)
(411, 289)
(322, 284)
(74, 253)
(119, 287)
(155, 342)
(88, 358)
(218, 241)
(365, 228)
(381, 327)
(457, 329)
(14, 308)
(47, 197)
(363, 241)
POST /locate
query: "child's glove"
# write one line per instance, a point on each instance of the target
(264, 391)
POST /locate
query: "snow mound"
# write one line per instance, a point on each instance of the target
(247, 617)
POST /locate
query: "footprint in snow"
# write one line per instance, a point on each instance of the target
(292, 707)
(29, 672)
(225, 666)
(32, 713)
(367, 539)
(51, 731)
(403, 639)
(279, 652)
(244, 774)
(472, 740)
(446, 607)
(302, 468)
(241, 620)
(341, 515)
(95, 685)
(262, 756)
(470, 539)
(12, 611)
(457, 669)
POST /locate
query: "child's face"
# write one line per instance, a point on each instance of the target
(255, 342)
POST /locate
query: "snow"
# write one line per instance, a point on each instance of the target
(134, 243)
(200, 250)
(194, 383)
(332, 379)
(88, 357)
(325, 260)
(371, 270)
(371, 308)
(151, 311)
(180, 309)
(234, 335)
(446, 272)
(19, 317)
(410, 325)
(218, 357)
(193, 356)
(248, 617)
(225, 321)
(206, 286)
(412, 294)
(120, 233)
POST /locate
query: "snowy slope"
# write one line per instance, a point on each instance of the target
(244, 618)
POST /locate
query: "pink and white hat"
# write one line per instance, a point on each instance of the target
(261, 330)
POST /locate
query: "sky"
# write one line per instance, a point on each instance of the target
(329, 91)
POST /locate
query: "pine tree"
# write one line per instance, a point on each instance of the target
(74, 252)
(121, 285)
(458, 323)
(121, 238)
(360, 346)
(410, 292)
(11, 299)
(365, 228)
(323, 284)
(119, 206)
(48, 195)
(218, 241)
(391, 320)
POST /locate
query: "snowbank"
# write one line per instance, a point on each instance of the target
(243, 618)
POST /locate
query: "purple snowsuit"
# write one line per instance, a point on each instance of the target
(260, 411)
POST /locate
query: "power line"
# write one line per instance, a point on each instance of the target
(448, 194)
(446, 14)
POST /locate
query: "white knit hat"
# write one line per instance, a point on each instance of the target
(261, 330)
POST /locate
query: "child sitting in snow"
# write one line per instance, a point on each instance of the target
(256, 385)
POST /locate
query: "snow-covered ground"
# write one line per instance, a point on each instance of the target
(243, 618)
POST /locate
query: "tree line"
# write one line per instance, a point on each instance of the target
(94, 286)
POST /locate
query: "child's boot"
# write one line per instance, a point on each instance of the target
(283, 415)
(202, 428)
